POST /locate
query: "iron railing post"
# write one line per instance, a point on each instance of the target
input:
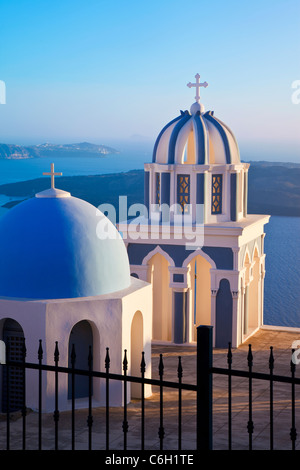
(56, 411)
(90, 415)
(271, 367)
(293, 432)
(250, 425)
(179, 374)
(161, 431)
(143, 370)
(24, 392)
(204, 387)
(7, 395)
(40, 358)
(73, 360)
(125, 422)
(229, 362)
(107, 366)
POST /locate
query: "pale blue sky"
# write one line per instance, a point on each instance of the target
(106, 70)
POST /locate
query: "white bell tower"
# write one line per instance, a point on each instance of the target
(197, 244)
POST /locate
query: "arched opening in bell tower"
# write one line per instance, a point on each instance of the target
(199, 293)
(159, 276)
(137, 341)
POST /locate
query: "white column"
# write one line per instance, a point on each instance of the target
(262, 282)
(213, 312)
(235, 317)
(246, 311)
(242, 305)
(207, 196)
(189, 317)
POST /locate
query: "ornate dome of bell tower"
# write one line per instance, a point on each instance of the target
(196, 161)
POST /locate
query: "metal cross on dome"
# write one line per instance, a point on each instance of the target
(52, 174)
(198, 85)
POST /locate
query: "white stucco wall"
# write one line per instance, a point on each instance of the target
(110, 317)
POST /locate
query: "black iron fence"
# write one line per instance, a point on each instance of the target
(203, 389)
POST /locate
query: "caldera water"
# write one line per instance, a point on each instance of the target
(282, 247)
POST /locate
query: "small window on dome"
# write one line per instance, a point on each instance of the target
(183, 192)
(216, 192)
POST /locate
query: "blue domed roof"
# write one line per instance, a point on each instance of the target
(57, 246)
(196, 137)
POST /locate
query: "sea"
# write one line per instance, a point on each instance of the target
(282, 241)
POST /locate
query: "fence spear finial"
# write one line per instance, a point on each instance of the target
(125, 361)
(179, 369)
(56, 352)
(40, 351)
(107, 359)
(161, 365)
(271, 359)
(229, 354)
(250, 357)
(143, 363)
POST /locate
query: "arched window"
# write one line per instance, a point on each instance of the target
(13, 337)
(216, 194)
(183, 192)
(137, 333)
(200, 293)
(159, 276)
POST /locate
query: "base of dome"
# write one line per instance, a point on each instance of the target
(53, 192)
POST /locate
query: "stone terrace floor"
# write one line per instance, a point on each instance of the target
(260, 342)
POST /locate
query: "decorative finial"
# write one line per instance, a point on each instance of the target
(198, 85)
(52, 174)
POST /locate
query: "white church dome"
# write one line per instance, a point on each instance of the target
(196, 137)
(57, 246)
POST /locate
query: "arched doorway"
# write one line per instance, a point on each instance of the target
(159, 276)
(254, 294)
(13, 338)
(223, 315)
(82, 337)
(137, 342)
(199, 293)
(247, 277)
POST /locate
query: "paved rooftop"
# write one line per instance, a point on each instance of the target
(260, 342)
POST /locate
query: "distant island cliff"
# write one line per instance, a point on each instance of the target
(83, 149)
(274, 188)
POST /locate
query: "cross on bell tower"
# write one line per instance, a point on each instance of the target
(52, 174)
(197, 85)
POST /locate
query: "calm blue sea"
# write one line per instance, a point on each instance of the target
(282, 241)
(282, 281)
(22, 170)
